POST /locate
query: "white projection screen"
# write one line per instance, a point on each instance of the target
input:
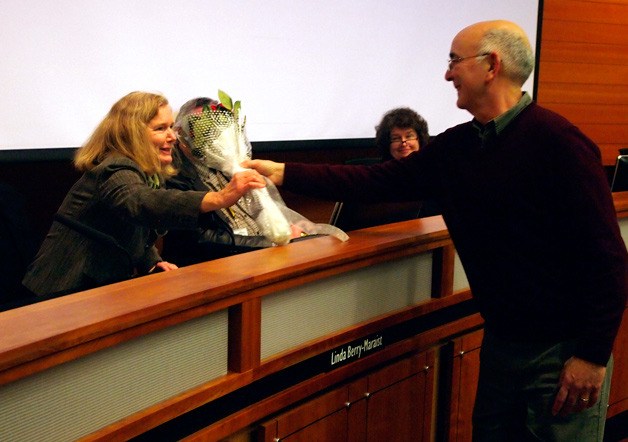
(304, 70)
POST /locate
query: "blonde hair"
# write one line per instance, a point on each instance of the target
(123, 132)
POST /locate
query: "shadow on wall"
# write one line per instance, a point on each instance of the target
(18, 245)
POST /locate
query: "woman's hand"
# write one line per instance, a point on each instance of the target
(274, 171)
(164, 266)
(241, 183)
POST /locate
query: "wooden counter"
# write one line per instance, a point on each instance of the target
(218, 347)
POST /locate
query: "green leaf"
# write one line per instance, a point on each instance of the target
(225, 99)
(236, 109)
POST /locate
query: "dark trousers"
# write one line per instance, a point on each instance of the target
(516, 390)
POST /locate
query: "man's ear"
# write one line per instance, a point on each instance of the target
(493, 62)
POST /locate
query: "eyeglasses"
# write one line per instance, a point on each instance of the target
(453, 61)
(395, 142)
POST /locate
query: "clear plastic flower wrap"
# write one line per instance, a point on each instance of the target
(216, 136)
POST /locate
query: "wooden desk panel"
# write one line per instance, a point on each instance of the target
(45, 343)
(42, 339)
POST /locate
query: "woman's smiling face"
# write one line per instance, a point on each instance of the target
(161, 134)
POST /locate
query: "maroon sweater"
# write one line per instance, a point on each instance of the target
(531, 216)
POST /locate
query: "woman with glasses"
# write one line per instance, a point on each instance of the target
(400, 132)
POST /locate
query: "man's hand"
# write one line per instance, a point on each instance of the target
(579, 386)
(274, 171)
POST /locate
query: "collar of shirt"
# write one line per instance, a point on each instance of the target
(494, 127)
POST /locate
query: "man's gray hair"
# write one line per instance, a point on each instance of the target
(514, 50)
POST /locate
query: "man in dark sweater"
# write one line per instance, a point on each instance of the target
(528, 206)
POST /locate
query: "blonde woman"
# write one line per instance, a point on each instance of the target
(107, 225)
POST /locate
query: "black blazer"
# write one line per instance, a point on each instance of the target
(115, 199)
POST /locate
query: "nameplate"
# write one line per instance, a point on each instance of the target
(355, 350)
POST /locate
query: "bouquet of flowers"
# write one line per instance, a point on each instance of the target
(216, 136)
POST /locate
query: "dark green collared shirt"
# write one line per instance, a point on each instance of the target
(494, 127)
